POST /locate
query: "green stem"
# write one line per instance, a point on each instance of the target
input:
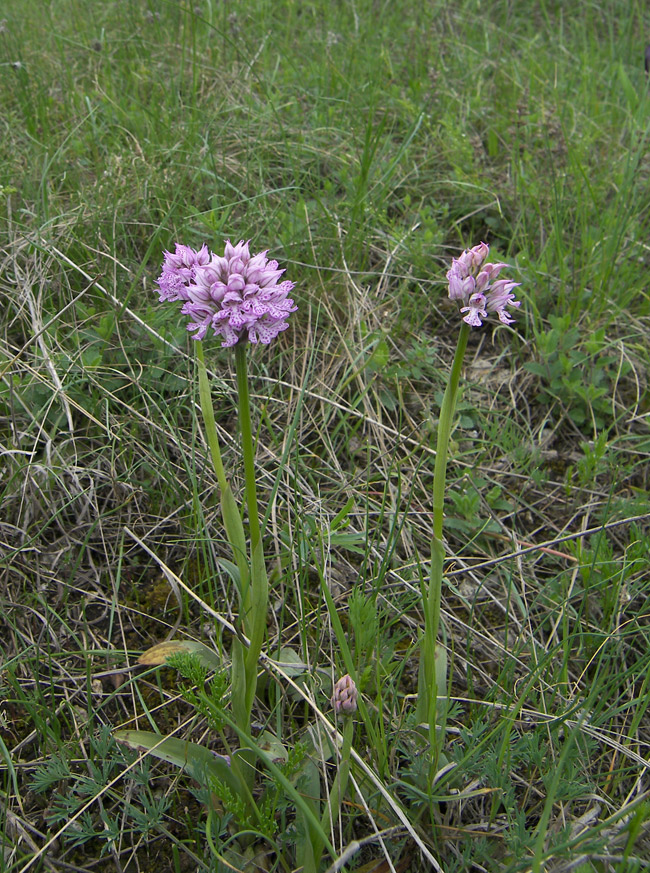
(247, 444)
(426, 710)
(253, 583)
(337, 792)
(331, 811)
(444, 431)
(208, 418)
(229, 510)
(256, 606)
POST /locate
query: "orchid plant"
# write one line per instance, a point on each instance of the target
(239, 297)
(473, 282)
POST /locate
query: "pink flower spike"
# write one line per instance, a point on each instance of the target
(236, 295)
(475, 284)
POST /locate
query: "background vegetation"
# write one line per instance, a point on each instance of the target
(364, 143)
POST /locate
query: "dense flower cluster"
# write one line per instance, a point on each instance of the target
(237, 295)
(344, 698)
(472, 281)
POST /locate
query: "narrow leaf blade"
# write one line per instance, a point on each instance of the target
(201, 764)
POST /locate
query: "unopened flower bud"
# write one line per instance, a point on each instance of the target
(478, 254)
(344, 698)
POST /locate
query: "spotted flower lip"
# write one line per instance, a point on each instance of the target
(236, 295)
(474, 283)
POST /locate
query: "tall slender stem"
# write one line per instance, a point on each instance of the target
(340, 784)
(337, 793)
(208, 418)
(444, 431)
(229, 509)
(426, 710)
(256, 605)
(247, 444)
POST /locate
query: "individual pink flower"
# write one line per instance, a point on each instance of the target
(344, 698)
(501, 296)
(236, 295)
(476, 310)
(474, 283)
(460, 287)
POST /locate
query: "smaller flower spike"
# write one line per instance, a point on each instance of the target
(344, 698)
(474, 283)
(237, 296)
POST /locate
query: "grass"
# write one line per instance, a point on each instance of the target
(364, 144)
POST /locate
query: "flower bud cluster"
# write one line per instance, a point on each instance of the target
(475, 284)
(238, 295)
(344, 698)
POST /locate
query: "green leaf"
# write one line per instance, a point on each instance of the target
(237, 539)
(238, 684)
(441, 685)
(232, 570)
(341, 516)
(319, 743)
(257, 617)
(353, 542)
(536, 368)
(4, 751)
(270, 744)
(201, 764)
(492, 143)
(379, 358)
(307, 781)
(291, 662)
(628, 88)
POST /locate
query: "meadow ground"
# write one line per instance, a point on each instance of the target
(364, 143)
